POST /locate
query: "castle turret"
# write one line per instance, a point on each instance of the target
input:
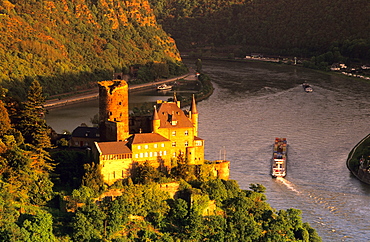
(156, 121)
(175, 100)
(113, 110)
(194, 116)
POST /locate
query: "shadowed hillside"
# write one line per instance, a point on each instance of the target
(284, 27)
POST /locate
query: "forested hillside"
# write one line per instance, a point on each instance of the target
(69, 44)
(286, 27)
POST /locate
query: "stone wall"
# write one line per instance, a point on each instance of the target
(113, 107)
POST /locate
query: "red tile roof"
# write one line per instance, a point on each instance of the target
(113, 148)
(146, 138)
(168, 112)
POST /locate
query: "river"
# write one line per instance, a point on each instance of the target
(255, 102)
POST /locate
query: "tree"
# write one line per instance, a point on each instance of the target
(93, 177)
(33, 125)
(38, 228)
(88, 223)
(145, 173)
(5, 125)
(183, 170)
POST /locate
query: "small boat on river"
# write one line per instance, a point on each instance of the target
(164, 86)
(307, 87)
(279, 158)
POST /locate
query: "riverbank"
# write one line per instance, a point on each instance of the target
(358, 160)
(90, 94)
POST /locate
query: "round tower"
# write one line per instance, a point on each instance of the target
(113, 110)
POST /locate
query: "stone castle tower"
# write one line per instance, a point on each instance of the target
(113, 110)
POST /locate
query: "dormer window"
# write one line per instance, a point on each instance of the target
(171, 119)
(173, 133)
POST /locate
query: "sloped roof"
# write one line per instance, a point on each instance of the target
(113, 148)
(146, 138)
(87, 132)
(169, 112)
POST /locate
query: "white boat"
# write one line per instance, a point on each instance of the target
(164, 86)
(307, 87)
(279, 158)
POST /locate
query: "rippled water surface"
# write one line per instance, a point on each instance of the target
(255, 102)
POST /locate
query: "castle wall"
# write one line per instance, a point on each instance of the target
(222, 169)
(156, 153)
(115, 169)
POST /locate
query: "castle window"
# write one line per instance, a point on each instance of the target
(155, 145)
(146, 146)
(139, 147)
(119, 103)
(173, 144)
(136, 155)
(174, 154)
(146, 154)
(186, 132)
(162, 144)
(186, 143)
(165, 152)
(141, 155)
(160, 153)
(150, 154)
(155, 154)
(173, 133)
(198, 143)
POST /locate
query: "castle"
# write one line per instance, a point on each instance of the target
(174, 132)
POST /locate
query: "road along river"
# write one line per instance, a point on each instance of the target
(255, 102)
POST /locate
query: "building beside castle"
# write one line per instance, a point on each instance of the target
(174, 132)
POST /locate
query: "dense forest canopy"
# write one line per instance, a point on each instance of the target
(69, 44)
(285, 27)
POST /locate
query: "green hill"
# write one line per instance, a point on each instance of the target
(67, 45)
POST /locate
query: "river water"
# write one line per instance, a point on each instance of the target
(255, 102)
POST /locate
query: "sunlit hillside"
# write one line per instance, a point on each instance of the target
(68, 44)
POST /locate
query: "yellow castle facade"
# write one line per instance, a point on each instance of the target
(174, 133)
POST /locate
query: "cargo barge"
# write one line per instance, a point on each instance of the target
(279, 158)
